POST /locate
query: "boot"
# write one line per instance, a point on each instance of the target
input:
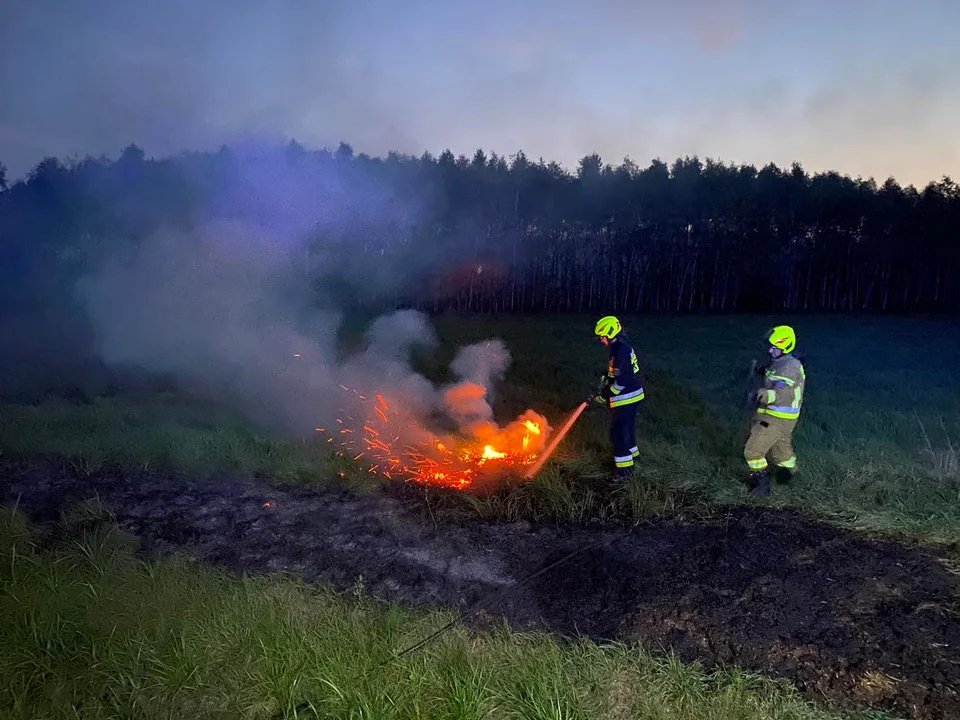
(760, 482)
(784, 475)
(623, 474)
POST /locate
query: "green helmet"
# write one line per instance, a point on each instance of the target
(608, 327)
(783, 337)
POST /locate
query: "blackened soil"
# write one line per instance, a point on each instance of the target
(854, 620)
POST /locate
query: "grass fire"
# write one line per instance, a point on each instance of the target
(393, 443)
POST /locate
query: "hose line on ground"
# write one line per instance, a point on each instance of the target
(499, 595)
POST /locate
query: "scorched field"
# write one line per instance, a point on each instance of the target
(162, 558)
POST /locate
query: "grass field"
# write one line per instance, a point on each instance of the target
(878, 442)
(86, 630)
(89, 630)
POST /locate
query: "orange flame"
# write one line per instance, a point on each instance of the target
(449, 461)
(490, 454)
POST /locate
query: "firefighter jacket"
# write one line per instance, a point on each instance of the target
(623, 381)
(782, 392)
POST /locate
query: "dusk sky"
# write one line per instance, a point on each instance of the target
(866, 87)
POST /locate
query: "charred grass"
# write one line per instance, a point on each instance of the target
(878, 443)
(89, 630)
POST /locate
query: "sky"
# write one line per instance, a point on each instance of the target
(866, 87)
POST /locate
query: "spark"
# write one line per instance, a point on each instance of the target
(452, 462)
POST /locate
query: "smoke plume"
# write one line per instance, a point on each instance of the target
(219, 308)
(231, 309)
(479, 367)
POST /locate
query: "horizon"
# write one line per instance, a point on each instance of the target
(280, 146)
(866, 90)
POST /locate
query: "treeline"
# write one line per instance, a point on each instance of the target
(489, 233)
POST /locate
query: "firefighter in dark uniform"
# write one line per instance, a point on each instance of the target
(622, 389)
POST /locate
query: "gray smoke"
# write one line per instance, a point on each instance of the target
(232, 309)
(220, 309)
(212, 307)
(485, 362)
(480, 367)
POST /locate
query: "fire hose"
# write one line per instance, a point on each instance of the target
(499, 595)
(545, 455)
(505, 592)
(484, 602)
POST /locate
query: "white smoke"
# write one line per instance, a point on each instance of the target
(219, 308)
(480, 367)
(485, 362)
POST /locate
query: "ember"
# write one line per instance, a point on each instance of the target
(383, 439)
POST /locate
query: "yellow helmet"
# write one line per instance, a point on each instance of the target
(783, 337)
(608, 327)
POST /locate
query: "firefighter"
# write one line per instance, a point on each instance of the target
(622, 389)
(778, 403)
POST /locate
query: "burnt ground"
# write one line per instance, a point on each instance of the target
(850, 619)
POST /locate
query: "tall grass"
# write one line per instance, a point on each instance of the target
(87, 630)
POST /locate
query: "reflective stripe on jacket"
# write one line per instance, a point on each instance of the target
(782, 392)
(625, 381)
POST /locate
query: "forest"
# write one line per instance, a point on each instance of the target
(498, 234)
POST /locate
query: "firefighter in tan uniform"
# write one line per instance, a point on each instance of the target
(778, 409)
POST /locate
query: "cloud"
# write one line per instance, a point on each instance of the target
(558, 80)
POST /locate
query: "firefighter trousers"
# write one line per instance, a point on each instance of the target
(623, 436)
(773, 437)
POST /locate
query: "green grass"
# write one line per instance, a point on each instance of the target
(163, 433)
(87, 630)
(877, 444)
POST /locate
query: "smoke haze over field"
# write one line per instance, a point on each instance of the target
(212, 307)
(223, 308)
